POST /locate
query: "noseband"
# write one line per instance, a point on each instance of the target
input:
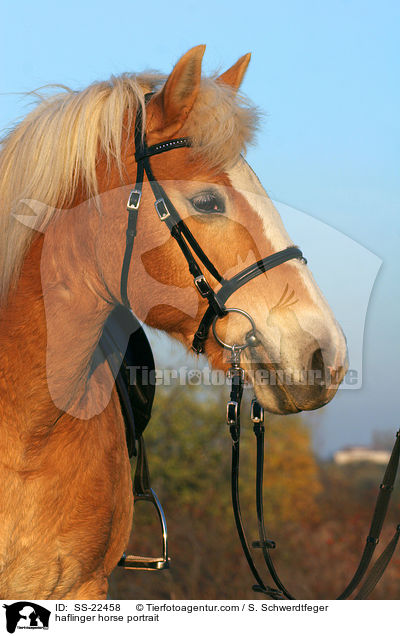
(216, 309)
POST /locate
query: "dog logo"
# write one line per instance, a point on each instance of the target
(26, 615)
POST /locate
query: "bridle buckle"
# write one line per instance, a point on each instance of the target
(202, 285)
(161, 209)
(256, 412)
(232, 411)
(134, 200)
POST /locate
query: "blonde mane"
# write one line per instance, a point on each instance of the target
(54, 150)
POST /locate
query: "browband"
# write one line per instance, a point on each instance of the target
(157, 149)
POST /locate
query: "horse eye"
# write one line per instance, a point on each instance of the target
(208, 202)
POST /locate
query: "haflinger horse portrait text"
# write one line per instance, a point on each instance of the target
(130, 202)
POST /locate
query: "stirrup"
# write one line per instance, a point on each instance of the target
(142, 491)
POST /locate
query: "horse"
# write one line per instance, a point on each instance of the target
(66, 172)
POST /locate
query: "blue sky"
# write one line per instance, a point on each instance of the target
(327, 77)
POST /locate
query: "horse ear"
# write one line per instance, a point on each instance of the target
(233, 77)
(179, 93)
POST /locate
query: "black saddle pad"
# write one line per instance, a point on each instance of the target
(125, 346)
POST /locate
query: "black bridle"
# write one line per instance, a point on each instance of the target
(217, 309)
(169, 215)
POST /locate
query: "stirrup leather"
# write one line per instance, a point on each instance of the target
(142, 491)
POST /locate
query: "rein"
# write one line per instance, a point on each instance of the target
(216, 309)
(236, 374)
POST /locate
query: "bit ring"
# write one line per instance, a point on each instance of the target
(252, 332)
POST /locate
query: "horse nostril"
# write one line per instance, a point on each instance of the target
(317, 360)
(317, 368)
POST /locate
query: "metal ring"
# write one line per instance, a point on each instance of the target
(234, 347)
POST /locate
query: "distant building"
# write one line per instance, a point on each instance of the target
(358, 454)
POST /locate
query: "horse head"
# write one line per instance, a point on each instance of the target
(300, 357)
